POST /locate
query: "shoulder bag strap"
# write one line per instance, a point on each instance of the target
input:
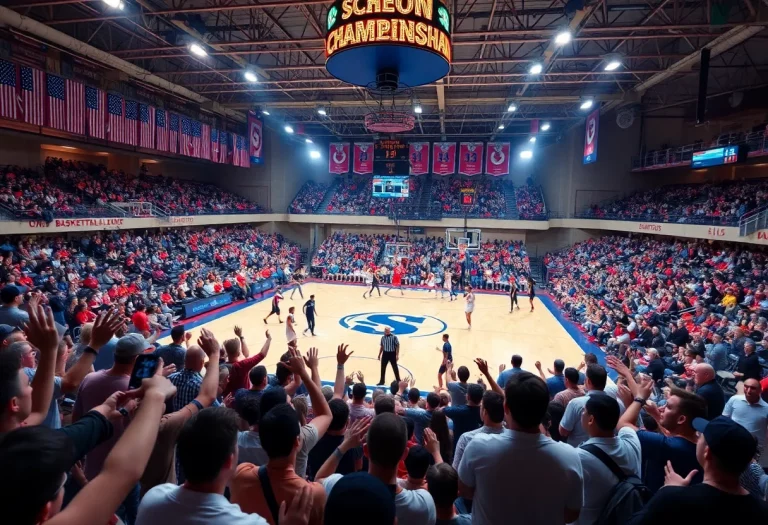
(606, 460)
(269, 495)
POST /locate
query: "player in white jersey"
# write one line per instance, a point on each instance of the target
(469, 297)
(448, 284)
(431, 283)
(290, 326)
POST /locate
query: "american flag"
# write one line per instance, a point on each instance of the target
(132, 122)
(190, 137)
(215, 145)
(240, 155)
(95, 109)
(66, 101)
(161, 123)
(146, 126)
(205, 141)
(115, 123)
(7, 90)
(32, 96)
(173, 134)
(223, 147)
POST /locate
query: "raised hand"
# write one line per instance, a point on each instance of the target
(537, 364)
(645, 387)
(356, 433)
(238, 331)
(168, 370)
(295, 363)
(41, 329)
(341, 354)
(350, 379)
(482, 365)
(403, 385)
(155, 384)
(187, 336)
(360, 377)
(311, 360)
(431, 442)
(266, 334)
(207, 341)
(625, 394)
(653, 410)
(673, 479)
(502, 367)
(615, 363)
(104, 328)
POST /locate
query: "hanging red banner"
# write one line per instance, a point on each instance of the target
(338, 157)
(255, 139)
(418, 155)
(497, 159)
(444, 158)
(362, 161)
(470, 158)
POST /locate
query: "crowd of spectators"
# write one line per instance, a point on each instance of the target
(490, 201)
(709, 203)
(31, 194)
(352, 196)
(342, 256)
(530, 202)
(309, 197)
(152, 271)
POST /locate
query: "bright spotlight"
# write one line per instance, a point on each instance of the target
(288, 129)
(532, 140)
(314, 154)
(308, 140)
(250, 76)
(546, 126)
(322, 112)
(612, 65)
(563, 38)
(265, 112)
(197, 49)
(417, 109)
(512, 108)
(536, 69)
(116, 4)
(501, 126)
(586, 104)
(526, 154)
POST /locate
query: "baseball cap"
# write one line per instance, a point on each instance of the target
(732, 444)
(363, 496)
(130, 345)
(6, 330)
(9, 293)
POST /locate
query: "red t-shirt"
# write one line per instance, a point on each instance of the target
(238, 376)
(140, 321)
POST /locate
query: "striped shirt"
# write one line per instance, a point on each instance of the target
(390, 343)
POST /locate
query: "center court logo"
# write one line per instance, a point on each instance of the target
(374, 323)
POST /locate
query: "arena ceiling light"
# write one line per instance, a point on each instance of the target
(536, 69)
(563, 37)
(288, 129)
(250, 76)
(512, 107)
(587, 104)
(546, 126)
(532, 140)
(526, 154)
(308, 140)
(501, 126)
(197, 49)
(612, 63)
(265, 112)
(115, 4)
(417, 109)
(314, 154)
(322, 112)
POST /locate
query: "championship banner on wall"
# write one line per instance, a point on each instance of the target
(590, 137)
(444, 158)
(338, 157)
(497, 158)
(470, 158)
(418, 155)
(255, 139)
(362, 162)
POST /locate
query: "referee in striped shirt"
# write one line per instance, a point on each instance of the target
(389, 352)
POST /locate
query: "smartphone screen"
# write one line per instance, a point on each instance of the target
(143, 368)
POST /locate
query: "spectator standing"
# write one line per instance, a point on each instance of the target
(188, 381)
(173, 353)
(706, 386)
(504, 375)
(725, 448)
(352, 460)
(600, 417)
(466, 418)
(748, 366)
(421, 416)
(443, 486)
(238, 374)
(140, 320)
(492, 414)
(484, 472)
(556, 383)
(751, 411)
(570, 426)
(10, 313)
(572, 388)
(357, 408)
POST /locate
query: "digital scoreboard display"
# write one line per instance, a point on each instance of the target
(387, 187)
(715, 157)
(390, 157)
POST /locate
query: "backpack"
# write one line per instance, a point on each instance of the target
(626, 498)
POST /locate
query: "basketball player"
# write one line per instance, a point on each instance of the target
(397, 280)
(448, 284)
(374, 284)
(290, 327)
(512, 294)
(469, 297)
(298, 277)
(276, 305)
(431, 283)
(447, 357)
(367, 278)
(309, 313)
(531, 290)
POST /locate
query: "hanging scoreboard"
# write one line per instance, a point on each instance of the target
(390, 157)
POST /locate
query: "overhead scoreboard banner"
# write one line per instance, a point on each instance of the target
(338, 157)
(444, 158)
(590, 137)
(418, 155)
(362, 160)
(470, 158)
(391, 157)
(255, 138)
(497, 158)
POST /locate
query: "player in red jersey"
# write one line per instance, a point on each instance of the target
(397, 280)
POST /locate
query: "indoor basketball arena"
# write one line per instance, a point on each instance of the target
(420, 262)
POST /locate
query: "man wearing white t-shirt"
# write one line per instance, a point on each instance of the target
(599, 419)
(570, 425)
(522, 475)
(751, 412)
